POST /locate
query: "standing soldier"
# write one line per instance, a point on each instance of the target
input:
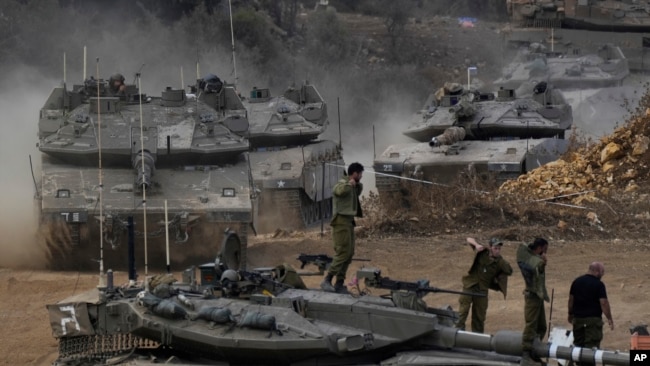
(116, 85)
(531, 259)
(489, 271)
(345, 207)
(587, 304)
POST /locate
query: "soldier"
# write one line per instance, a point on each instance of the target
(116, 85)
(531, 259)
(587, 303)
(345, 207)
(488, 271)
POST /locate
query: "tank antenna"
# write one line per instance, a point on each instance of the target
(31, 167)
(64, 69)
(338, 111)
(197, 67)
(167, 237)
(84, 79)
(232, 39)
(374, 145)
(182, 80)
(144, 186)
(102, 279)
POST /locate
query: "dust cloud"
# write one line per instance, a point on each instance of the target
(23, 93)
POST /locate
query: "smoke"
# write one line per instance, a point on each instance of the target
(23, 93)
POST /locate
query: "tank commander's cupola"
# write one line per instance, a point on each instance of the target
(173, 97)
(260, 95)
(504, 94)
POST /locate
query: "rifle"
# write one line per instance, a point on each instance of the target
(252, 282)
(322, 261)
(373, 278)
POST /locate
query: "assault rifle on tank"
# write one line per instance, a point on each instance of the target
(250, 282)
(322, 261)
(372, 278)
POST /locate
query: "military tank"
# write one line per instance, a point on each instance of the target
(155, 151)
(251, 317)
(568, 70)
(479, 134)
(542, 113)
(583, 24)
(293, 171)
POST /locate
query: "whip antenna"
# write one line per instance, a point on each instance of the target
(102, 280)
(144, 186)
(232, 39)
(84, 79)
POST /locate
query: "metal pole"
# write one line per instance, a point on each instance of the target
(550, 312)
(232, 36)
(102, 282)
(131, 249)
(322, 201)
(374, 148)
(167, 237)
(144, 186)
(338, 110)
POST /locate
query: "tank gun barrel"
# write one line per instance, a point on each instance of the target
(450, 136)
(508, 342)
(143, 163)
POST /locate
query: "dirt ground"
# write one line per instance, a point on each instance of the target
(438, 253)
(27, 340)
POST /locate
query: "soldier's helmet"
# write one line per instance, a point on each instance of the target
(230, 275)
(495, 241)
(116, 77)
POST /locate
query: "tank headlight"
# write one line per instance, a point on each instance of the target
(228, 192)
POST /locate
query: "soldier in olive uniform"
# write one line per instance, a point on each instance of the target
(531, 259)
(345, 206)
(489, 271)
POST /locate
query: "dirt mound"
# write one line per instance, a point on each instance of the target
(596, 190)
(613, 169)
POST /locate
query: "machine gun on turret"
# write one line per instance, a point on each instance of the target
(245, 283)
(372, 278)
(322, 261)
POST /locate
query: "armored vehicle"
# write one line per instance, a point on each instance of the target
(607, 67)
(293, 171)
(583, 24)
(254, 318)
(152, 152)
(478, 134)
(544, 113)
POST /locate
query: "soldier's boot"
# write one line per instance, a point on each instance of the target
(326, 285)
(340, 288)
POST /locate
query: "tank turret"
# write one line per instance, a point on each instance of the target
(577, 25)
(604, 66)
(485, 117)
(292, 170)
(153, 151)
(479, 135)
(251, 317)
